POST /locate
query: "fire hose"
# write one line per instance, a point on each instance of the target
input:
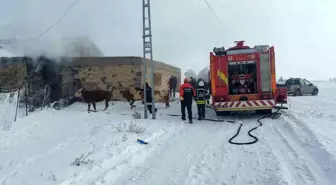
(206, 119)
(274, 115)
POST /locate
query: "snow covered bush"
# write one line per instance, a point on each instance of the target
(130, 127)
(7, 125)
(83, 159)
(52, 177)
(136, 115)
(133, 127)
(124, 138)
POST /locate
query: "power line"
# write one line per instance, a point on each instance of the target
(53, 25)
(213, 12)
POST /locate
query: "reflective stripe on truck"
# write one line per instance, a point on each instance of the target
(212, 73)
(272, 53)
(245, 105)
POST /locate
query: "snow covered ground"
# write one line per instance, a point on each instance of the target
(298, 148)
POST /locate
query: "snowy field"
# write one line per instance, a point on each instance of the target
(45, 148)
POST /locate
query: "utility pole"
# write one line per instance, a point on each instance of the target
(147, 53)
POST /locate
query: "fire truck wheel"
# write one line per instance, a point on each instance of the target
(297, 92)
(315, 92)
(223, 113)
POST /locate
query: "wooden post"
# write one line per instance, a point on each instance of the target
(17, 104)
(26, 98)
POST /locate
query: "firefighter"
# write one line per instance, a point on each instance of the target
(200, 98)
(187, 92)
(149, 97)
(193, 82)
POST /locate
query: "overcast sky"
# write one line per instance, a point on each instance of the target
(185, 31)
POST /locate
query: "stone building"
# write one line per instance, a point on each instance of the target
(108, 73)
(120, 73)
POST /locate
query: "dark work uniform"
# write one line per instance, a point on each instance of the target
(172, 86)
(149, 98)
(187, 92)
(200, 98)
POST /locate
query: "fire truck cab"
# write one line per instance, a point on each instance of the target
(243, 78)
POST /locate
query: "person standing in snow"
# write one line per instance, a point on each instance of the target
(201, 99)
(172, 86)
(149, 98)
(187, 92)
(193, 82)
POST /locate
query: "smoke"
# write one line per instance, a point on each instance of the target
(36, 48)
(53, 50)
(204, 74)
(190, 73)
(56, 48)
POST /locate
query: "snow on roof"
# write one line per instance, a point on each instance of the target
(4, 53)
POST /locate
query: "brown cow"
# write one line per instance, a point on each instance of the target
(93, 96)
(157, 92)
(165, 97)
(127, 94)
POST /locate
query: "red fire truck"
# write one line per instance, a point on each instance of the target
(243, 78)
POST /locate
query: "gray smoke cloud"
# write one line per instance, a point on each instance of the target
(204, 74)
(80, 46)
(190, 73)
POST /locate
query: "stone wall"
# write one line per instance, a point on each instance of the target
(121, 73)
(12, 73)
(106, 73)
(162, 74)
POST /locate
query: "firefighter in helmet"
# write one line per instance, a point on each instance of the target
(201, 97)
(187, 92)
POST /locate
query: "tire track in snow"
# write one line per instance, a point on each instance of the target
(172, 162)
(34, 157)
(29, 160)
(206, 170)
(227, 164)
(209, 166)
(105, 173)
(309, 143)
(298, 161)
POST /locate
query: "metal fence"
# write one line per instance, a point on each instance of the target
(39, 88)
(39, 94)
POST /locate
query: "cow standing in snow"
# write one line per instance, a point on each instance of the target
(93, 96)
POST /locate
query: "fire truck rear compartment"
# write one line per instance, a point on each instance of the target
(242, 77)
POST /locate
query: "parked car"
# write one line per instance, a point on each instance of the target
(299, 86)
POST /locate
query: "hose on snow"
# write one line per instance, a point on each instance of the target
(274, 115)
(206, 119)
